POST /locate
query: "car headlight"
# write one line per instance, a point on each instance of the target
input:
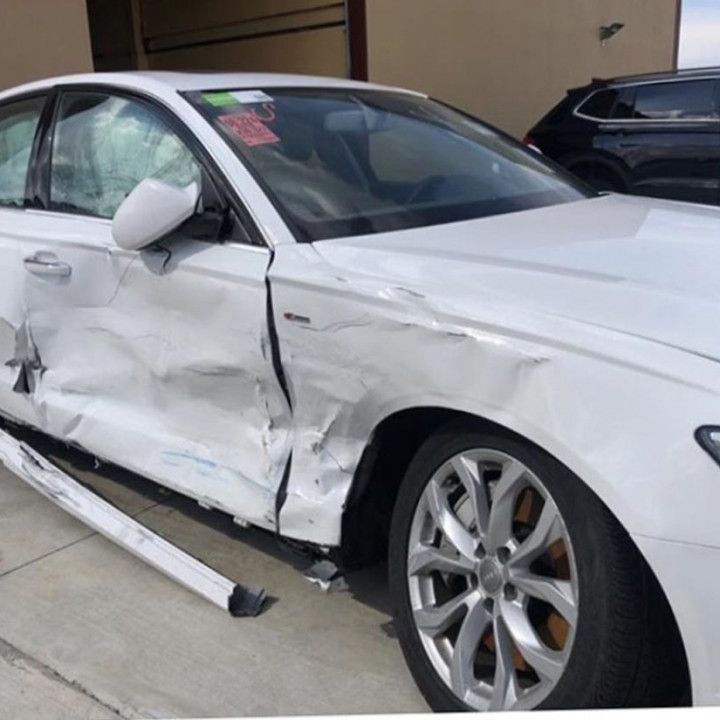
(709, 439)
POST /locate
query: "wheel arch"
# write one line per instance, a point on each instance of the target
(603, 159)
(387, 454)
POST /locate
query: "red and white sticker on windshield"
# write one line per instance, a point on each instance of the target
(250, 128)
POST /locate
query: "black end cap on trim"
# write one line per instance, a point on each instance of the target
(246, 602)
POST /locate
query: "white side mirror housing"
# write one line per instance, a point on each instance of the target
(152, 210)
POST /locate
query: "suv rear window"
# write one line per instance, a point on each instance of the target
(688, 100)
(600, 104)
(613, 103)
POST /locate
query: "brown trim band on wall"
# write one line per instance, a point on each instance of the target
(357, 35)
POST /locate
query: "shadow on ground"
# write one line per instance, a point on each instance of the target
(136, 496)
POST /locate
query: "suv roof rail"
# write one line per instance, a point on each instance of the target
(596, 83)
(669, 74)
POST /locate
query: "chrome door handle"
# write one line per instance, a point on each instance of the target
(44, 263)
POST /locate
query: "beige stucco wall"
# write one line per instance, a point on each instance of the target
(510, 61)
(40, 38)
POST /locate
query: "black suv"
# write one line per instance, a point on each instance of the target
(655, 135)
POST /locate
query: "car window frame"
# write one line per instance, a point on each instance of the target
(40, 160)
(587, 98)
(45, 95)
(651, 121)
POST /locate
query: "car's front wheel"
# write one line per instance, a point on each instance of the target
(514, 586)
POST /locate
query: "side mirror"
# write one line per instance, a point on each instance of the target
(152, 210)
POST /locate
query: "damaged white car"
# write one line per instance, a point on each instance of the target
(363, 320)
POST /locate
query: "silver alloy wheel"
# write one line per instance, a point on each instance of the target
(493, 581)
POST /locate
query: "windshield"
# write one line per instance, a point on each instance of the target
(338, 163)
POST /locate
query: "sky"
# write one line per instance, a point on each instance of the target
(700, 33)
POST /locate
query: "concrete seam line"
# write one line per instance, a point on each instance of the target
(108, 520)
(46, 555)
(11, 654)
(75, 542)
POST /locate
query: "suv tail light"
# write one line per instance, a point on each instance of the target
(530, 142)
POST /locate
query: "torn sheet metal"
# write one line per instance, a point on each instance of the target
(326, 575)
(27, 362)
(89, 508)
(533, 321)
(157, 361)
(162, 362)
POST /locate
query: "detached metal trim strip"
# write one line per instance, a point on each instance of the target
(83, 504)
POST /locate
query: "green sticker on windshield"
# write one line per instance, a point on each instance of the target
(220, 99)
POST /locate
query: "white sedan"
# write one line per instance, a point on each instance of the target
(367, 322)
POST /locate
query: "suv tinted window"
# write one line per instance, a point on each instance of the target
(105, 146)
(600, 104)
(18, 123)
(688, 100)
(624, 107)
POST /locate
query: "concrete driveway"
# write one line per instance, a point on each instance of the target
(88, 631)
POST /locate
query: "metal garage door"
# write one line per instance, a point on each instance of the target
(302, 36)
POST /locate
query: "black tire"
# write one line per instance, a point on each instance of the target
(627, 651)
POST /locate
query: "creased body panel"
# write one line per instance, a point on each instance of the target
(387, 330)
(12, 315)
(159, 361)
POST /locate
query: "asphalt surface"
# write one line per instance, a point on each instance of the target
(89, 631)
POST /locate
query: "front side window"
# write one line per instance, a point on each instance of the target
(18, 124)
(686, 100)
(339, 163)
(104, 146)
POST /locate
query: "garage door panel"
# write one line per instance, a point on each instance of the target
(315, 52)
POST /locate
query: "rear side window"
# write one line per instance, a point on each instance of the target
(610, 104)
(18, 124)
(600, 104)
(625, 106)
(688, 100)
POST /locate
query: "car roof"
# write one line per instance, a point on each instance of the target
(688, 74)
(163, 82)
(670, 75)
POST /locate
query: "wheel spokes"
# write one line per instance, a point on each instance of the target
(547, 663)
(506, 689)
(558, 593)
(462, 667)
(468, 473)
(502, 509)
(446, 520)
(547, 531)
(424, 559)
(434, 621)
(486, 526)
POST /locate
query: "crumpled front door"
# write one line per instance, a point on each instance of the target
(158, 361)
